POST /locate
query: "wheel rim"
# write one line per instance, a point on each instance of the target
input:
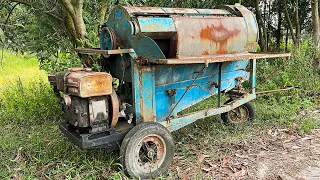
(150, 153)
(238, 115)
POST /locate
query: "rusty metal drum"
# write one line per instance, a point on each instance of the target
(183, 33)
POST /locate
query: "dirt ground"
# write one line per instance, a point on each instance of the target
(276, 154)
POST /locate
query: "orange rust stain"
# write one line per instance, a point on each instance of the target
(205, 52)
(219, 35)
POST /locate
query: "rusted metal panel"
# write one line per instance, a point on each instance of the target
(222, 58)
(144, 93)
(180, 11)
(213, 11)
(168, 11)
(156, 24)
(85, 84)
(252, 28)
(144, 10)
(210, 36)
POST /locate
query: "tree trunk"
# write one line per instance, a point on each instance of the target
(315, 23)
(297, 23)
(278, 33)
(75, 12)
(71, 31)
(262, 28)
(290, 26)
(268, 41)
(104, 8)
(287, 38)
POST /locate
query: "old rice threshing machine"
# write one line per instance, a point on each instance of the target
(166, 60)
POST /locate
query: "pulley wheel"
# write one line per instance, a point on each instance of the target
(107, 40)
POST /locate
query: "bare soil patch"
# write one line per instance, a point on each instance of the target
(270, 154)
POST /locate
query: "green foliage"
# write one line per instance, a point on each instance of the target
(209, 4)
(25, 101)
(28, 103)
(31, 145)
(286, 107)
(300, 70)
(61, 61)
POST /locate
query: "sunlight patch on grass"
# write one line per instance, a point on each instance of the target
(15, 66)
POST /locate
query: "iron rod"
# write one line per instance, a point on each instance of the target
(278, 90)
(188, 88)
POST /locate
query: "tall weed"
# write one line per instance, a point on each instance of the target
(28, 103)
(301, 71)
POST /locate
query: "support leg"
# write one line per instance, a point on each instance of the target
(219, 84)
(253, 75)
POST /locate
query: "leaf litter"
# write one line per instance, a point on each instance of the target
(270, 154)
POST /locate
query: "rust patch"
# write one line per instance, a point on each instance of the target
(219, 35)
(84, 84)
(205, 52)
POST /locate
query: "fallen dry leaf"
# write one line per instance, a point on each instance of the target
(181, 175)
(296, 147)
(273, 132)
(296, 125)
(239, 156)
(46, 142)
(225, 161)
(289, 140)
(238, 174)
(288, 131)
(206, 169)
(210, 163)
(201, 158)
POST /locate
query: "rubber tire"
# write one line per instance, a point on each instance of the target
(248, 105)
(131, 139)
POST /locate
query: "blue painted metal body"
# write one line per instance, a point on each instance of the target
(156, 89)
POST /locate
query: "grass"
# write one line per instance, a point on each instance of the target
(31, 146)
(14, 67)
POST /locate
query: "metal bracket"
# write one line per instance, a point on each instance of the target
(172, 93)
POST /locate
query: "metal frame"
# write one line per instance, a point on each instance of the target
(221, 58)
(144, 85)
(181, 121)
(108, 139)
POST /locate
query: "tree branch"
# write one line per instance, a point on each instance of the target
(31, 5)
(22, 2)
(69, 7)
(79, 4)
(103, 10)
(290, 26)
